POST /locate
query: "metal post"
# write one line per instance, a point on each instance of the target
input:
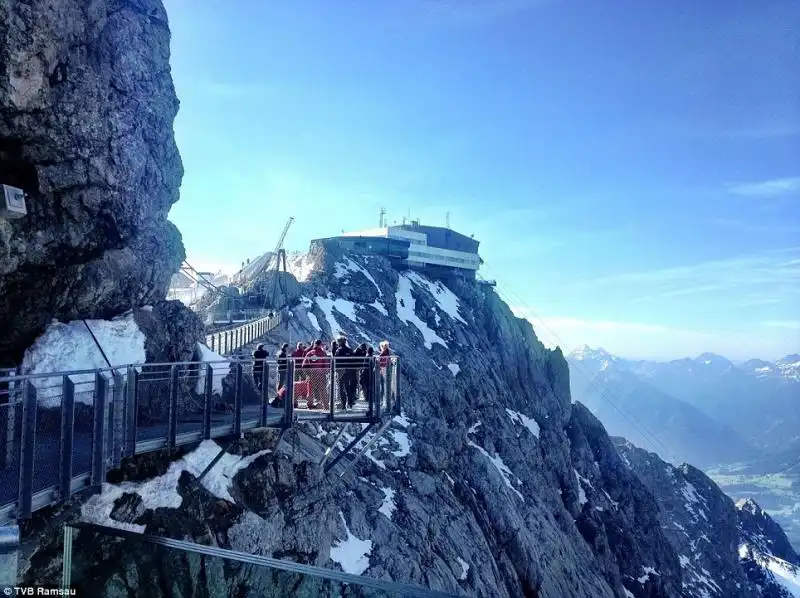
(388, 385)
(27, 450)
(333, 386)
(288, 405)
(67, 431)
(237, 400)
(118, 421)
(376, 389)
(264, 393)
(212, 342)
(172, 427)
(208, 403)
(9, 556)
(396, 406)
(132, 407)
(66, 571)
(98, 462)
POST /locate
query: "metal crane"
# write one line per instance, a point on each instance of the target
(280, 259)
(279, 254)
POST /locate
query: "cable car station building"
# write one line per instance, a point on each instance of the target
(434, 249)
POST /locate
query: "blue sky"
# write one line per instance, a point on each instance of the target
(632, 169)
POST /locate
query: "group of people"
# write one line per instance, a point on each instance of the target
(312, 363)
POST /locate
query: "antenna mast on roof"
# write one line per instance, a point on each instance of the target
(447, 220)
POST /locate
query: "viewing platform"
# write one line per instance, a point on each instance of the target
(61, 433)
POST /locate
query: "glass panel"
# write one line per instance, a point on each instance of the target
(191, 399)
(100, 561)
(152, 412)
(46, 450)
(10, 420)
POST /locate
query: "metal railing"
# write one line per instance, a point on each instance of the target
(227, 340)
(61, 433)
(158, 565)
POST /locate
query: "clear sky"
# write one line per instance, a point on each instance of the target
(632, 169)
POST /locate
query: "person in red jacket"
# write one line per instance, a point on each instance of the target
(317, 364)
(385, 354)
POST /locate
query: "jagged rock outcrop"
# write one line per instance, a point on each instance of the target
(86, 112)
(171, 332)
(491, 483)
(724, 549)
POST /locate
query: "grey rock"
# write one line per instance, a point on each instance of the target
(172, 332)
(86, 111)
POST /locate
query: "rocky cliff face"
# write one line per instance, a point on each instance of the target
(724, 549)
(86, 111)
(491, 483)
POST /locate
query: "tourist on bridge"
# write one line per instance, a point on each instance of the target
(298, 355)
(363, 370)
(283, 359)
(259, 357)
(348, 373)
(317, 364)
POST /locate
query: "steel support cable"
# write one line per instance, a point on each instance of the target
(604, 391)
(646, 434)
(200, 278)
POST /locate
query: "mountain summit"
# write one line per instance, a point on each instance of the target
(491, 483)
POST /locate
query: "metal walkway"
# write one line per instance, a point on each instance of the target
(61, 433)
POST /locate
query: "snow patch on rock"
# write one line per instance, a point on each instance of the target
(464, 568)
(352, 553)
(524, 420)
(582, 500)
(379, 307)
(301, 265)
(500, 466)
(70, 346)
(406, 306)
(388, 506)
(648, 571)
(401, 438)
(343, 306)
(445, 298)
(162, 491)
(348, 265)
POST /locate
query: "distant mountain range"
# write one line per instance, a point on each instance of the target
(705, 410)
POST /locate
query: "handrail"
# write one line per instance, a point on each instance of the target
(392, 587)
